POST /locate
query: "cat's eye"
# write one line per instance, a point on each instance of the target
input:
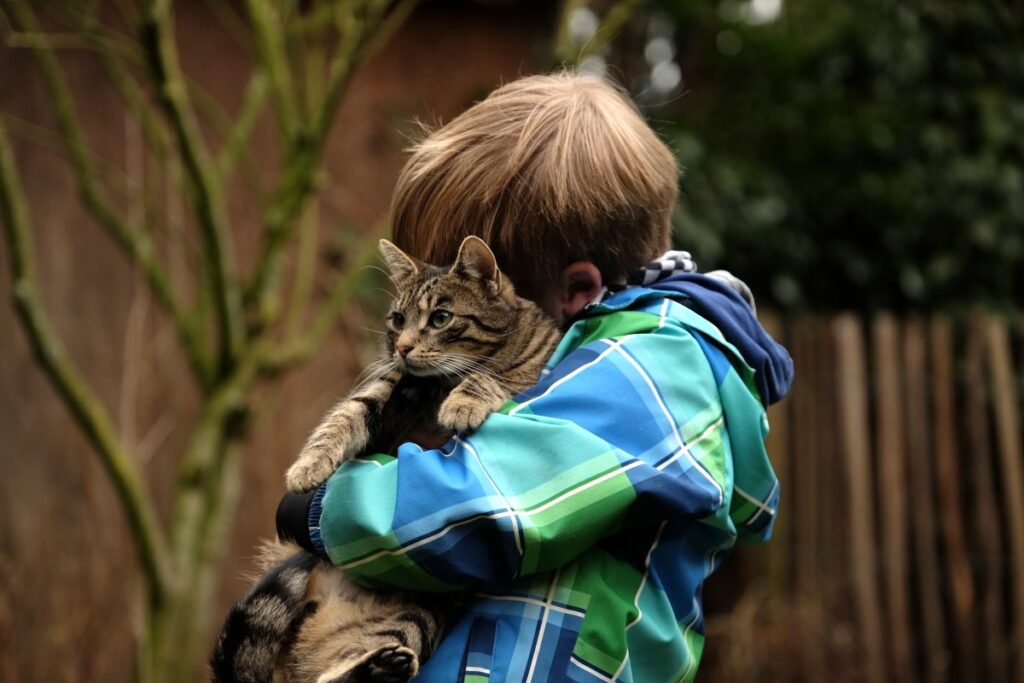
(398, 320)
(439, 319)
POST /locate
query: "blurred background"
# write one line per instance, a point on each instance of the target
(191, 192)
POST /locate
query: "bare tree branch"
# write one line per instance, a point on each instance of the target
(33, 39)
(133, 239)
(212, 112)
(565, 47)
(267, 27)
(238, 138)
(114, 179)
(617, 17)
(179, 560)
(298, 348)
(85, 407)
(568, 53)
(233, 22)
(158, 38)
(126, 86)
(362, 33)
(305, 270)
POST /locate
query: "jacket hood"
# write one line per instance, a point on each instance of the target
(719, 302)
(725, 303)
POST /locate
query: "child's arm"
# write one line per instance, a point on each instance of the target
(624, 432)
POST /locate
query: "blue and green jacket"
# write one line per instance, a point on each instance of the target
(581, 520)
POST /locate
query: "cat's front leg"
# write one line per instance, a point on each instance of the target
(344, 433)
(470, 402)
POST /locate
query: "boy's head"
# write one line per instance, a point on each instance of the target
(559, 174)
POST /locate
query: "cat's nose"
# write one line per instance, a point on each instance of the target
(403, 348)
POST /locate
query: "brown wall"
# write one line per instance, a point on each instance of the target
(68, 582)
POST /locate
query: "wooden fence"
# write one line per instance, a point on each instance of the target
(899, 551)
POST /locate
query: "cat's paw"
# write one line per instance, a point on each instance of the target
(394, 665)
(390, 665)
(308, 472)
(461, 413)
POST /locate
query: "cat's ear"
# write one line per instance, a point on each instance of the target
(476, 259)
(401, 265)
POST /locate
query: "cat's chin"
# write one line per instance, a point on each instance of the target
(427, 371)
(418, 370)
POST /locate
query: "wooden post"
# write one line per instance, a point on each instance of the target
(807, 574)
(950, 479)
(807, 566)
(778, 445)
(892, 484)
(833, 543)
(1004, 393)
(851, 369)
(987, 523)
(923, 510)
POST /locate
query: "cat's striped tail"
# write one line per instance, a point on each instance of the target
(261, 623)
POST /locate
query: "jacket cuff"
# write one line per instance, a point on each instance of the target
(313, 521)
(298, 520)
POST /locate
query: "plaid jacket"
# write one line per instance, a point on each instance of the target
(582, 519)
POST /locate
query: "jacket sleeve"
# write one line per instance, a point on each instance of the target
(622, 432)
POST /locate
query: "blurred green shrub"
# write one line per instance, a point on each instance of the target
(852, 153)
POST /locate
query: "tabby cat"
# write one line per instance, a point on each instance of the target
(460, 343)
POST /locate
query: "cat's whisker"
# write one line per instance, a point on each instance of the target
(447, 366)
(453, 364)
(466, 356)
(370, 266)
(387, 273)
(471, 367)
(372, 372)
(457, 372)
(475, 366)
(460, 367)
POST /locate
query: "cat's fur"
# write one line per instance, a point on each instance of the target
(304, 621)
(460, 343)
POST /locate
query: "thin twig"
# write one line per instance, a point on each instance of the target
(252, 106)
(269, 36)
(114, 178)
(305, 269)
(294, 350)
(16, 38)
(617, 16)
(565, 47)
(233, 23)
(125, 85)
(212, 112)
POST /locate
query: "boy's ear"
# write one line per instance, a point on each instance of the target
(477, 259)
(401, 265)
(580, 284)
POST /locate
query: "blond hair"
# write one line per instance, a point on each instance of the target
(548, 170)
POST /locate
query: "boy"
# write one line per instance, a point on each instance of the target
(581, 520)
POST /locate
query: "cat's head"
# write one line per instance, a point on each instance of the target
(448, 320)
